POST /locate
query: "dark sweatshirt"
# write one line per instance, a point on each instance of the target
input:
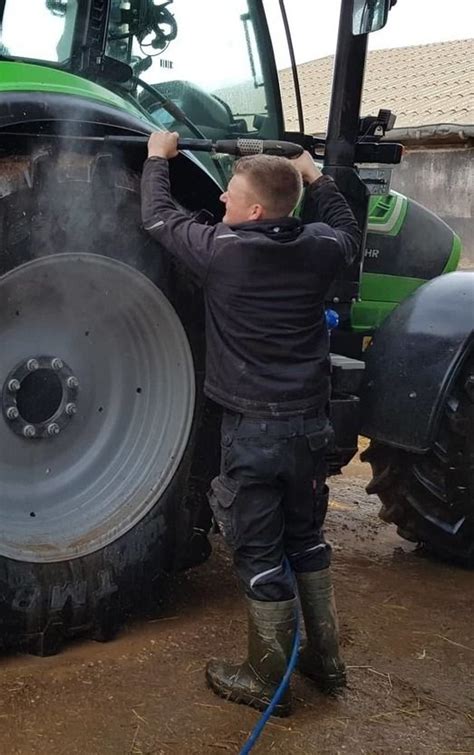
(264, 285)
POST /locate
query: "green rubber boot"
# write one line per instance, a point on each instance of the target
(271, 629)
(320, 658)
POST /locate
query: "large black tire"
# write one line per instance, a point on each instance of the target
(82, 205)
(430, 497)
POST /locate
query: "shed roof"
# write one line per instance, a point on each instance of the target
(422, 84)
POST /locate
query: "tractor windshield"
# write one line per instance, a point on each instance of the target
(204, 56)
(40, 30)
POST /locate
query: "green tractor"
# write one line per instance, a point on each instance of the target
(106, 443)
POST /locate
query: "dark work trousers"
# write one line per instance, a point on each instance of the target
(270, 499)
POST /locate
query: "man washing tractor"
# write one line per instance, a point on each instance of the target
(86, 545)
(265, 276)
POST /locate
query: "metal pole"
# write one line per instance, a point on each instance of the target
(348, 81)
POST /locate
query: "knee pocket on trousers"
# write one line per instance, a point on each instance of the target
(222, 497)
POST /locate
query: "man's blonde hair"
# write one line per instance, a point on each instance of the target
(276, 182)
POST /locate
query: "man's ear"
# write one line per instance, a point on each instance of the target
(256, 212)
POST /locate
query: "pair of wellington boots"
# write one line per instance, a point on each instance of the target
(271, 630)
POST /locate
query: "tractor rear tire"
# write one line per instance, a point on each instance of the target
(430, 497)
(93, 500)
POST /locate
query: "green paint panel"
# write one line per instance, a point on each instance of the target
(455, 256)
(387, 213)
(369, 315)
(388, 288)
(24, 77)
(380, 294)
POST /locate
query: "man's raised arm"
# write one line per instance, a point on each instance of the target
(189, 241)
(325, 204)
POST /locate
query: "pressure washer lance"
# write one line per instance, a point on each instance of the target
(237, 147)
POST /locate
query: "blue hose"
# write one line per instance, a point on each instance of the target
(255, 733)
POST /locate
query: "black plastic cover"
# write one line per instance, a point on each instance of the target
(413, 360)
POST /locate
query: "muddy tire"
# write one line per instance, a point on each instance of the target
(97, 384)
(430, 497)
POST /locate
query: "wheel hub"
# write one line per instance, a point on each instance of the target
(39, 397)
(97, 400)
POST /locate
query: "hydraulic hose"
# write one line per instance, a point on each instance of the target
(171, 107)
(260, 725)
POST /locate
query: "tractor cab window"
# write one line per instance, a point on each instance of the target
(313, 51)
(203, 56)
(38, 29)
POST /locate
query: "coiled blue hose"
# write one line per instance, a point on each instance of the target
(257, 730)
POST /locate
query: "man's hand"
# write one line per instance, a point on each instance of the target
(307, 167)
(163, 144)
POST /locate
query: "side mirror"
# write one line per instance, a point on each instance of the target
(369, 15)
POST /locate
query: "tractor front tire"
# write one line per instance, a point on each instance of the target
(430, 497)
(97, 390)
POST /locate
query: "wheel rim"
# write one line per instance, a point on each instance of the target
(105, 378)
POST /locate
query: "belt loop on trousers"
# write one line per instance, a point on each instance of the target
(297, 425)
(230, 425)
(237, 421)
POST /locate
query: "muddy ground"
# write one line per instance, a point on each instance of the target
(407, 634)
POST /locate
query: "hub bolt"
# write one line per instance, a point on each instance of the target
(14, 385)
(57, 364)
(12, 412)
(29, 431)
(71, 409)
(72, 382)
(53, 429)
(32, 365)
